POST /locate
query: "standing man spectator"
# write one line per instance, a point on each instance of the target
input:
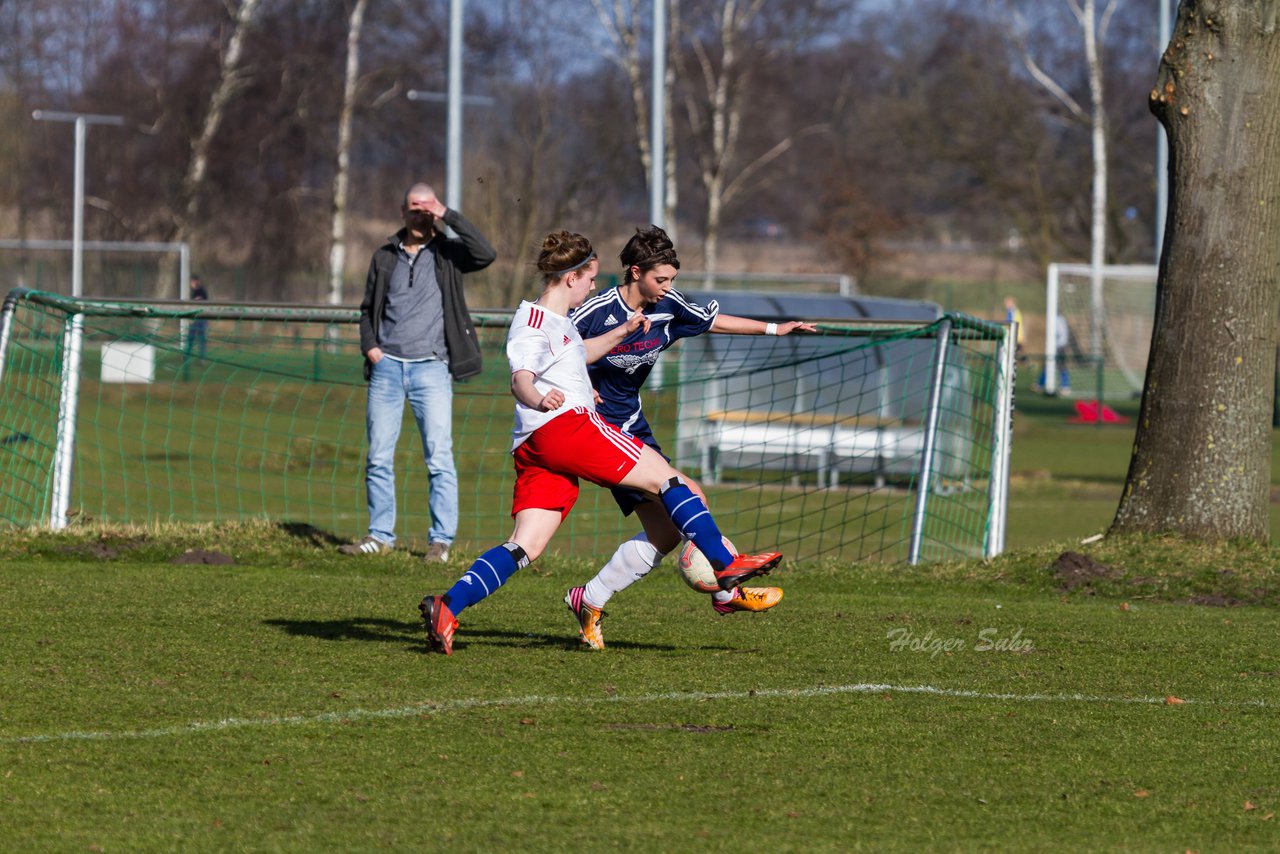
(416, 335)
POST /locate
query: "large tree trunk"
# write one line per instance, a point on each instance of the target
(1201, 463)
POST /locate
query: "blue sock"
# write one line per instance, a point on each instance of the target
(490, 571)
(694, 521)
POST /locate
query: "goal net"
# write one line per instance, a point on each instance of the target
(1098, 333)
(862, 443)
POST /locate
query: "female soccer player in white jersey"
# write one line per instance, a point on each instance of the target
(559, 438)
(650, 266)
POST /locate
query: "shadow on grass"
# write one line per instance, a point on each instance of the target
(381, 630)
(497, 637)
(353, 629)
(310, 534)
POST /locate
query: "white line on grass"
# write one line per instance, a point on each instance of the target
(446, 706)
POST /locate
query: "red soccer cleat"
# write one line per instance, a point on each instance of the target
(441, 623)
(746, 566)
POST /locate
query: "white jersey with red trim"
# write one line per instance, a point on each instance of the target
(548, 346)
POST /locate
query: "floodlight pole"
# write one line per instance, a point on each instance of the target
(657, 124)
(82, 121)
(453, 155)
(454, 100)
(658, 142)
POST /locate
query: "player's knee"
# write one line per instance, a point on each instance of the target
(532, 550)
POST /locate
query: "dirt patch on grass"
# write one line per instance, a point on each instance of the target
(106, 548)
(1075, 571)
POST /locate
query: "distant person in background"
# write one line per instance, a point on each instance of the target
(1065, 350)
(1013, 314)
(198, 331)
(649, 269)
(417, 337)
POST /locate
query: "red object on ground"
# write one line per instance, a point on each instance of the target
(1091, 412)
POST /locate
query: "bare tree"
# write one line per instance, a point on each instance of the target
(716, 68)
(1093, 28)
(552, 154)
(623, 27)
(1201, 463)
(230, 81)
(338, 228)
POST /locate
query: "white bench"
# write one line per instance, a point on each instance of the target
(810, 442)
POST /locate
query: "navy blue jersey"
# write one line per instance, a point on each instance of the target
(620, 373)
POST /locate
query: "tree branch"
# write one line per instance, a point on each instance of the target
(1018, 33)
(768, 157)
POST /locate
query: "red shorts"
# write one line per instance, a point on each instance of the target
(577, 444)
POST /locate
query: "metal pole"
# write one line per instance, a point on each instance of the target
(453, 155)
(1051, 354)
(64, 452)
(932, 417)
(77, 227)
(658, 129)
(998, 507)
(82, 120)
(184, 290)
(1162, 143)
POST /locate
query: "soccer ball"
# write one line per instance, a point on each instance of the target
(695, 570)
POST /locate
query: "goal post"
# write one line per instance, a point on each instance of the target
(1106, 321)
(870, 442)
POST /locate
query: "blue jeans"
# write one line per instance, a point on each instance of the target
(429, 389)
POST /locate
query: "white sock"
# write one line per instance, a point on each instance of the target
(722, 596)
(630, 563)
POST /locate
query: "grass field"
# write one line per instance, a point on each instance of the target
(287, 702)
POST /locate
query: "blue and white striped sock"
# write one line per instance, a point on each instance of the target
(694, 521)
(490, 571)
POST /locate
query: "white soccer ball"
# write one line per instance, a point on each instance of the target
(695, 570)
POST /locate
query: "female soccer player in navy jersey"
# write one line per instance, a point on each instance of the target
(559, 438)
(650, 266)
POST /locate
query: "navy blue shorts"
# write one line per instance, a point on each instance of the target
(629, 499)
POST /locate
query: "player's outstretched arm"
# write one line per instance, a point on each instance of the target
(734, 325)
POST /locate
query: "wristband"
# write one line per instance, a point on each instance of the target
(771, 329)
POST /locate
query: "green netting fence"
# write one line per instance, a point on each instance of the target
(865, 442)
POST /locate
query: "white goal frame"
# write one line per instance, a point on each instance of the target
(1094, 344)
